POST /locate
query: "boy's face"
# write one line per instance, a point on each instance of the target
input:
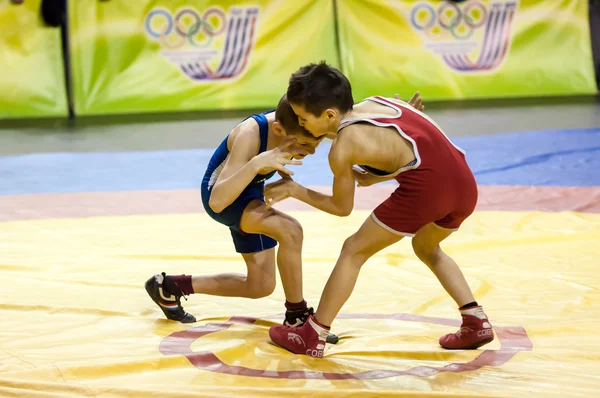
(306, 142)
(316, 125)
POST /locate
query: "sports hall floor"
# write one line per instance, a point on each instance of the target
(90, 210)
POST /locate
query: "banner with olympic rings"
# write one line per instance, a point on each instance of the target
(175, 55)
(32, 82)
(472, 49)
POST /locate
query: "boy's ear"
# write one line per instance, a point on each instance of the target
(331, 114)
(278, 129)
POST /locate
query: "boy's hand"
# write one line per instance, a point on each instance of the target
(416, 101)
(279, 190)
(277, 158)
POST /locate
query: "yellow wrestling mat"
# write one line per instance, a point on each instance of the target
(76, 320)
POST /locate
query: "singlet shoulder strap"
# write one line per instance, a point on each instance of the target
(380, 100)
(263, 126)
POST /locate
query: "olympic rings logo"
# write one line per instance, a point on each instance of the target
(206, 46)
(450, 18)
(187, 25)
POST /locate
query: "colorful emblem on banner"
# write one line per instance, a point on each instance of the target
(473, 36)
(207, 46)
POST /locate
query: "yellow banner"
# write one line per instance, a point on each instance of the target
(171, 55)
(32, 80)
(472, 49)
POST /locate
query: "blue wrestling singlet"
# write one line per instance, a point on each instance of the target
(231, 215)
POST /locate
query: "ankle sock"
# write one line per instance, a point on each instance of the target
(469, 305)
(184, 282)
(296, 306)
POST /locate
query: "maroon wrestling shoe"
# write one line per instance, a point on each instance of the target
(308, 339)
(474, 332)
(167, 295)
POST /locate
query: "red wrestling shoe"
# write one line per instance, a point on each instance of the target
(308, 339)
(474, 332)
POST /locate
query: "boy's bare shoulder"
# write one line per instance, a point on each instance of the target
(345, 143)
(348, 137)
(247, 135)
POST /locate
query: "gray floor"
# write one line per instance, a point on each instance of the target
(143, 133)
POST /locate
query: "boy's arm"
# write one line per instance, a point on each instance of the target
(243, 164)
(342, 200)
(238, 171)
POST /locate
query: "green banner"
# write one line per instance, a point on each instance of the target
(473, 49)
(32, 80)
(173, 55)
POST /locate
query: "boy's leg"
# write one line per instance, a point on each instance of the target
(476, 329)
(368, 240)
(258, 252)
(426, 245)
(257, 219)
(259, 255)
(357, 249)
(266, 224)
(167, 290)
(371, 238)
(259, 281)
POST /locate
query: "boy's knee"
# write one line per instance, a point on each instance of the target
(425, 251)
(261, 288)
(290, 232)
(354, 249)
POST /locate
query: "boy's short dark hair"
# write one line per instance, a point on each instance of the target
(318, 87)
(285, 115)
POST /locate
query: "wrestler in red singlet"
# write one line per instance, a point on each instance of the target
(436, 193)
(437, 187)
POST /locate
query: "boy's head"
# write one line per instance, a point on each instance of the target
(320, 95)
(286, 124)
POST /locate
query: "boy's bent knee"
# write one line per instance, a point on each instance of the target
(352, 248)
(289, 231)
(260, 289)
(425, 251)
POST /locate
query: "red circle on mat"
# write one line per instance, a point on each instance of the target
(512, 340)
